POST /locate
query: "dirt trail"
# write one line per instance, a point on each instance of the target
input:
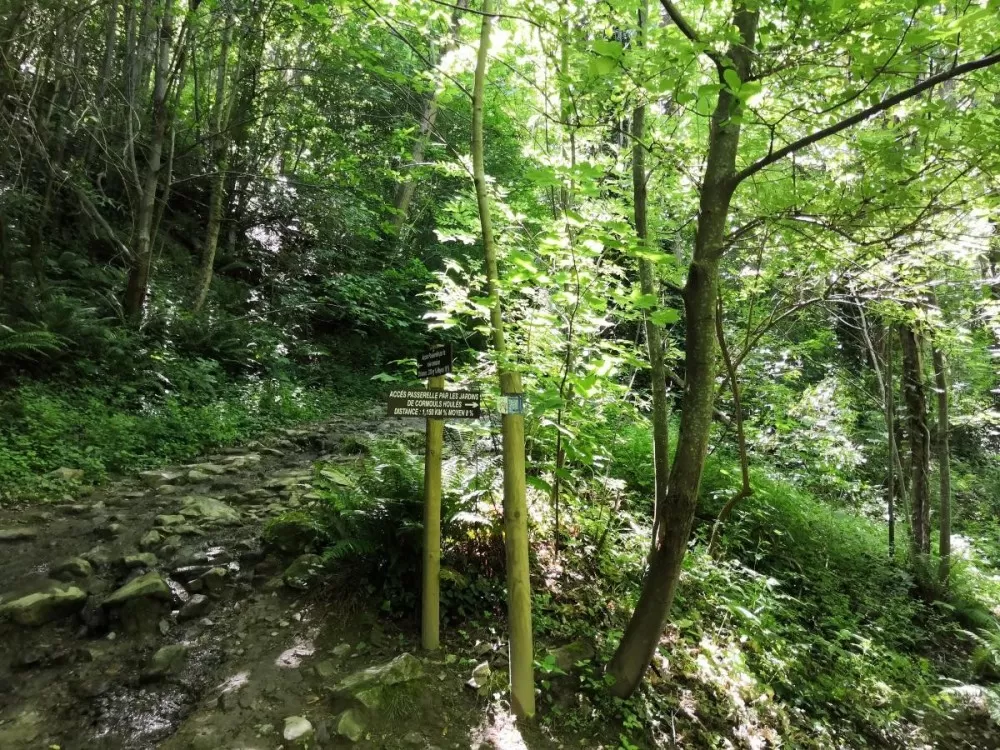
(205, 646)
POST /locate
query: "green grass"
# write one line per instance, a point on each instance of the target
(106, 430)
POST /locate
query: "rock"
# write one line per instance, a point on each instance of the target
(148, 586)
(567, 656)
(20, 534)
(158, 478)
(74, 567)
(215, 579)
(167, 489)
(99, 556)
(303, 572)
(197, 477)
(45, 606)
(108, 531)
(209, 468)
(342, 650)
(140, 560)
(367, 686)
(210, 510)
(170, 520)
(67, 474)
(297, 729)
(292, 535)
(196, 606)
(351, 725)
(414, 738)
(23, 730)
(326, 669)
(480, 676)
(150, 540)
(166, 661)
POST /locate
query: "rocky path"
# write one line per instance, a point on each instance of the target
(148, 615)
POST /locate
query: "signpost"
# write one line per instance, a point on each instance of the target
(436, 404)
(435, 362)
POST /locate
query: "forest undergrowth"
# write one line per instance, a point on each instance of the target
(799, 631)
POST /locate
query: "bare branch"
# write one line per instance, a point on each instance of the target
(888, 103)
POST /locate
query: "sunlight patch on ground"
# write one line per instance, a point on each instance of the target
(234, 683)
(291, 658)
(498, 730)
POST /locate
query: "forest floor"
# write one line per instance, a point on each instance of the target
(206, 646)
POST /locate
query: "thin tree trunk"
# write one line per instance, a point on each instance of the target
(522, 687)
(944, 464)
(914, 393)
(644, 629)
(138, 278)
(217, 196)
(654, 343)
(406, 188)
(741, 441)
(892, 457)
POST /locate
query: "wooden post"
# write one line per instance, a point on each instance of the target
(430, 612)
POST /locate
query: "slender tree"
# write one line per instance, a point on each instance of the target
(522, 687)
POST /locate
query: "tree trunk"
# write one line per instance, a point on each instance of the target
(944, 464)
(217, 197)
(914, 394)
(643, 633)
(654, 343)
(890, 428)
(138, 278)
(522, 686)
(406, 189)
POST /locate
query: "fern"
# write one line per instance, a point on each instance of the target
(28, 342)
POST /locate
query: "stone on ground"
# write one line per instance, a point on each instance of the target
(44, 606)
(148, 586)
(150, 540)
(197, 606)
(74, 567)
(368, 685)
(303, 572)
(140, 560)
(166, 661)
(20, 534)
(351, 725)
(566, 657)
(158, 478)
(480, 676)
(297, 729)
(210, 510)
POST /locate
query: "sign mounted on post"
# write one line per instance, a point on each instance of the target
(435, 362)
(435, 404)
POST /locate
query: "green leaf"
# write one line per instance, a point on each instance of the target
(665, 316)
(732, 79)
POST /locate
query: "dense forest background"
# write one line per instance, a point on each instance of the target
(761, 239)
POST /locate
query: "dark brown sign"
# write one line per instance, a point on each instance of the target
(435, 362)
(439, 404)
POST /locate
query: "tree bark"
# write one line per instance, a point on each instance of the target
(915, 396)
(642, 634)
(217, 197)
(944, 464)
(522, 686)
(654, 343)
(138, 278)
(890, 426)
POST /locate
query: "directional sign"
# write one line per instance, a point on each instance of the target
(440, 404)
(435, 362)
